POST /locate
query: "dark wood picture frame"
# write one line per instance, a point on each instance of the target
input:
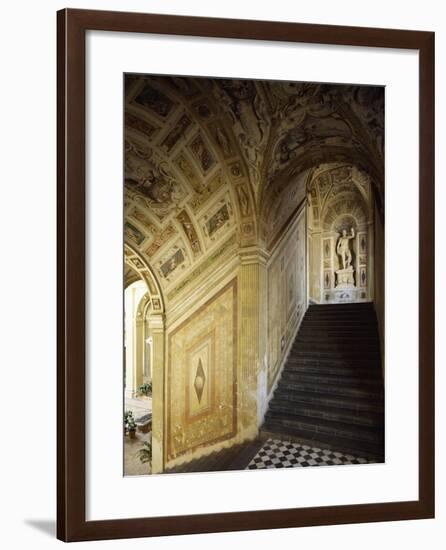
(71, 469)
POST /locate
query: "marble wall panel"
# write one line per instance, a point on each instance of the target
(202, 376)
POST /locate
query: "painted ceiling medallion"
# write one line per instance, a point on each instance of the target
(200, 380)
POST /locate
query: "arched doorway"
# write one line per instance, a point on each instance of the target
(144, 353)
(135, 295)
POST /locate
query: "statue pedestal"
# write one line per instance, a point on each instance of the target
(344, 278)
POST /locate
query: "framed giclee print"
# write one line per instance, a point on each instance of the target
(245, 275)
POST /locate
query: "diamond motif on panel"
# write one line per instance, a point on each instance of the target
(200, 380)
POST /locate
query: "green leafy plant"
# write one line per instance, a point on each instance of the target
(145, 453)
(145, 389)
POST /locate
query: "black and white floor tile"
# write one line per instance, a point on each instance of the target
(285, 454)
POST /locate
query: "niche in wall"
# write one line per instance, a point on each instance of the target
(340, 235)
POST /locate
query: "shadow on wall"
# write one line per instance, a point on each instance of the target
(46, 526)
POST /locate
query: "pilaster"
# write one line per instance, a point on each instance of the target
(252, 337)
(156, 324)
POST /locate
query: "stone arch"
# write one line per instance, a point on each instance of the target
(138, 265)
(130, 275)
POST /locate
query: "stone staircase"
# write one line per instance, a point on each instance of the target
(331, 390)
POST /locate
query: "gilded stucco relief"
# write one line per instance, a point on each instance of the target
(286, 294)
(201, 376)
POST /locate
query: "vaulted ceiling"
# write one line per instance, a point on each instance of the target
(336, 192)
(213, 161)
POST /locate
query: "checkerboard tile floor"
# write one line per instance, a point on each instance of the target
(285, 454)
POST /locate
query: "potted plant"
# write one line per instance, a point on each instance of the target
(131, 427)
(126, 415)
(129, 424)
(145, 389)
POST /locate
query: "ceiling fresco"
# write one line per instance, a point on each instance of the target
(213, 161)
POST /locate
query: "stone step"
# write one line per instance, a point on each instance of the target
(347, 331)
(324, 345)
(340, 313)
(325, 427)
(321, 399)
(329, 368)
(346, 338)
(343, 311)
(364, 366)
(350, 325)
(306, 359)
(355, 353)
(281, 410)
(329, 346)
(346, 355)
(293, 376)
(339, 318)
(320, 388)
(333, 333)
(352, 305)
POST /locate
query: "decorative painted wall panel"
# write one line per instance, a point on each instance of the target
(286, 295)
(201, 376)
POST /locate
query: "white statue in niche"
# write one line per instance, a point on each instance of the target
(343, 248)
